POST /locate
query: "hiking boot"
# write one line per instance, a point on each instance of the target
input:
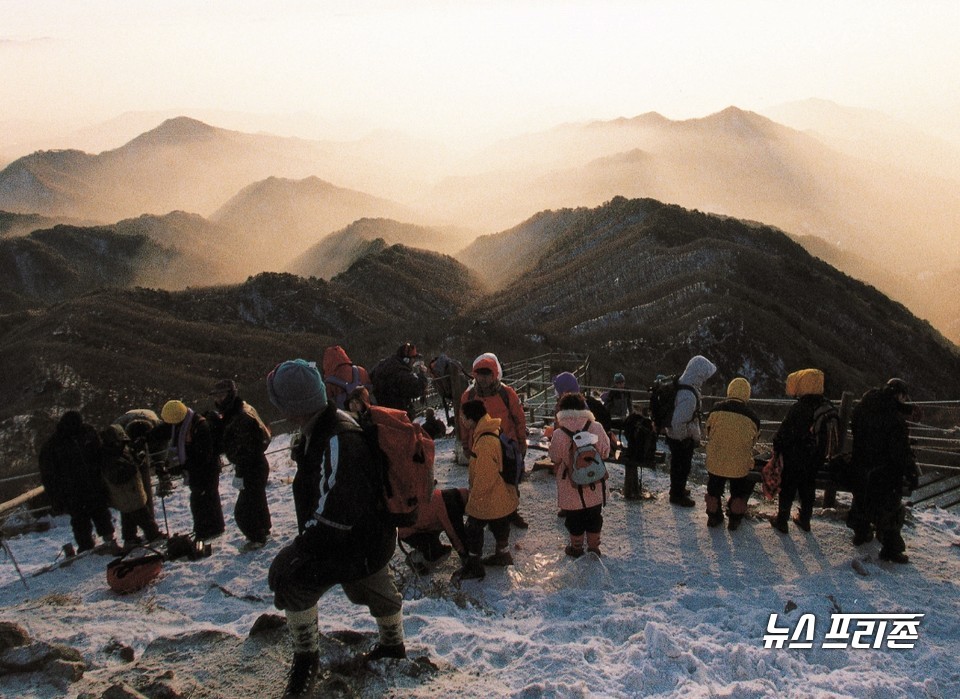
(734, 522)
(471, 570)
(517, 520)
(573, 551)
(380, 651)
(860, 538)
(303, 674)
(500, 558)
(715, 519)
(562, 513)
(595, 550)
(682, 500)
(112, 548)
(780, 524)
(253, 545)
(802, 522)
(894, 556)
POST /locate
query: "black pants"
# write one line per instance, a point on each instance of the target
(84, 519)
(206, 509)
(500, 528)
(681, 459)
(740, 491)
(799, 480)
(590, 520)
(252, 513)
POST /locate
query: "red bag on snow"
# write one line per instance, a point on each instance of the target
(129, 574)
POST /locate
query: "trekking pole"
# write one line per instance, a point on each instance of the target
(6, 547)
(163, 506)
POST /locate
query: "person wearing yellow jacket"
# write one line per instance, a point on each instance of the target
(492, 500)
(732, 431)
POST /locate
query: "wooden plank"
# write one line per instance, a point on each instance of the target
(935, 493)
(21, 499)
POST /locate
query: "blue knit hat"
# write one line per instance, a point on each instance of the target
(296, 388)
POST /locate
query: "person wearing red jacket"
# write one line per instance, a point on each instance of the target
(502, 403)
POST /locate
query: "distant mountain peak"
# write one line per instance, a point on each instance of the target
(177, 129)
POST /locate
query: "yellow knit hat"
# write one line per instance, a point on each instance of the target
(174, 412)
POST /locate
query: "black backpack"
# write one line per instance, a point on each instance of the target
(663, 400)
(641, 438)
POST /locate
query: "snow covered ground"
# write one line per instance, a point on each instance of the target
(671, 609)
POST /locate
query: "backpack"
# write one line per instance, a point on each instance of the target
(641, 438)
(442, 368)
(586, 464)
(265, 434)
(512, 469)
(406, 458)
(663, 400)
(825, 430)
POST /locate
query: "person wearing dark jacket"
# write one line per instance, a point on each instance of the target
(192, 452)
(882, 460)
(342, 539)
(70, 473)
(244, 440)
(400, 379)
(803, 454)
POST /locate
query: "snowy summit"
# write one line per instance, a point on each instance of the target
(671, 609)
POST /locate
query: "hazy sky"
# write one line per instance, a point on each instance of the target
(460, 66)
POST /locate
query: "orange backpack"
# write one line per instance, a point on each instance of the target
(407, 455)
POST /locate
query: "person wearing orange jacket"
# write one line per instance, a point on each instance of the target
(501, 402)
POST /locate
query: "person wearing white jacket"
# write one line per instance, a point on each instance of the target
(683, 434)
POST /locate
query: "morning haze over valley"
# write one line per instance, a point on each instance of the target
(187, 193)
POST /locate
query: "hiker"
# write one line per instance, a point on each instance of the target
(342, 376)
(121, 474)
(683, 432)
(444, 513)
(400, 379)
(342, 540)
(492, 501)
(732, 430)
(802, 452)
(442, 370)
(500, 401)
(244, 440)
(582, 504)
(566, 382)
(191, 451)
(882, 460)
(70, 473)
(432, 425)
(617, 400)
(149, 453)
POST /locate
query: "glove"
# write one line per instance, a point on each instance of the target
(292, 563)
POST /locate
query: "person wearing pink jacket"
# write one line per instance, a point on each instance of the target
(583, 505)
